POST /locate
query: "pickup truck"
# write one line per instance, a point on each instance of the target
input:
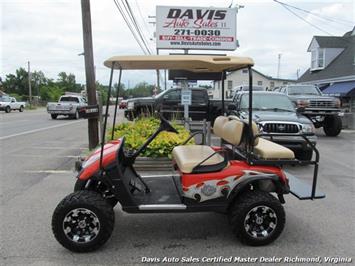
(168, 103)
(68, 105)
(8, 103)
(274, 112)
(324, 111)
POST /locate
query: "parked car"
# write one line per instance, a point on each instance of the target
(168, 103)
(274, 113)
(322, 110)
(123, 104)
(8, 103)
(68, 105)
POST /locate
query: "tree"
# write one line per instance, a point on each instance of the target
(67, 82)
(17, 83)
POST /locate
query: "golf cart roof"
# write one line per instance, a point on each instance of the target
(194, 63)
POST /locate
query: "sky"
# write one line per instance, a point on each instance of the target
(49, 34)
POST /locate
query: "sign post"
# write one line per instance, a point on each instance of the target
(202, 28)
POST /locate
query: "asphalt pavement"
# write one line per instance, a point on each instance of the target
(37, 156)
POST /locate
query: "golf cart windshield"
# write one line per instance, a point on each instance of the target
(303, 89)
(267, 102)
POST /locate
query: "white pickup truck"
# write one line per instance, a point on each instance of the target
(68, 105)
(8, 103)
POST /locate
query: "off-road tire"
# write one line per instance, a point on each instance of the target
(7, 109)
(54, 116)
(81, 185)
(244, 203)
(304, 155)
(21, 108)
(95, 203)
(332, 125)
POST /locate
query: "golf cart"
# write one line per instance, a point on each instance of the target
(242, 177)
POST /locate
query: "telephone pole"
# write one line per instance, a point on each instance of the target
(29, 84)
(278, 65)
(89, 72)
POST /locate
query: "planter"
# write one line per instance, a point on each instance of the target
(153, 164)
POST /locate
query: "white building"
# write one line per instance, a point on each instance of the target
(241, 77)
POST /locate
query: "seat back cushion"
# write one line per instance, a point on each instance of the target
(255, 130)
(218, 125)
(233, 131)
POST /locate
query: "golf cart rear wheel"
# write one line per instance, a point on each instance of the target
(257, 218)
(332, 125)
(98, 187)
(83, 221)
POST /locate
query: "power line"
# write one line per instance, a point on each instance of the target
(338, 20)
(130, 27)
(135, 24)
(311, 24)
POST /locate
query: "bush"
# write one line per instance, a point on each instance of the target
(137, 132)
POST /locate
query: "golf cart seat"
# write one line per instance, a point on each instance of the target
(263, 148)
(198, 159)
(204, 159)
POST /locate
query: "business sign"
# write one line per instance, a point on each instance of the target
(196, 28)
(185, 97)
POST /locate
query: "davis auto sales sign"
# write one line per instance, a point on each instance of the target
(196, 28)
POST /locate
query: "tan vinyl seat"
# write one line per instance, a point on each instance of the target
(269, 150)
(188, 157)
(218, 125)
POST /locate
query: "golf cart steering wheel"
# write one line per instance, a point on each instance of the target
(166, 126)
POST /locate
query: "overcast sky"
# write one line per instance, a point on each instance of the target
(49, 34)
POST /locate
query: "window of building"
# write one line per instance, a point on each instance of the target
(245, 71)
(230, 84)
(260, 82)
(272, 84)
(317, 60)
(284, 83)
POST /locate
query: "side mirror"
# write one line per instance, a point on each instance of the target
(300, 109)
(232, 107)
(12, 100)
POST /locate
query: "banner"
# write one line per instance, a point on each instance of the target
(196, 28)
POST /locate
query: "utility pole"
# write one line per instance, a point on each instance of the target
(158, 74)
(278, 66)
(29, 83)
(89, 72)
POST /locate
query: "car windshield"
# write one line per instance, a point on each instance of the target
(268, 102)
(69, 99)
(302, 90)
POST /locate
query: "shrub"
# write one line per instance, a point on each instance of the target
(137, 132)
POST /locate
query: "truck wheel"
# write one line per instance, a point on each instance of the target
(304, 155)
(54, 116)
(97, 187)
(83, 221)
(8, 109)
(76, 115)
(257, 218)
(332, 125)
(21, 108)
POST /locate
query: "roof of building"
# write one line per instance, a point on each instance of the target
(342, 66)
(269, 77)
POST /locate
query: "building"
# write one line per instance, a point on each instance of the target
(332, 69)
(241, 77)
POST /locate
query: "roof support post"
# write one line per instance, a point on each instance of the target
(223, 78)
(106, 115)
(250, 113)
(116, 103)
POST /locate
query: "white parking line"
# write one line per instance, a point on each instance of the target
(39, 129)
(48, 171)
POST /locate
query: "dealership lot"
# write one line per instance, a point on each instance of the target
(37, 159)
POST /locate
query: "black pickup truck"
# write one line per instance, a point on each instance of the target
(274, 113)
(168, 103)
(322, 110)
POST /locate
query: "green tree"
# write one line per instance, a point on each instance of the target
(67, 82)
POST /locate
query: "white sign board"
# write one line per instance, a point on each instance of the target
(196, 28)
(186, 97)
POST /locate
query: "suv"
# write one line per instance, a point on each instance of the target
(274, 113)
(322, 110)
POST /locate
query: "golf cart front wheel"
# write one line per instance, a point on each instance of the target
(257, 218)
(83, 221)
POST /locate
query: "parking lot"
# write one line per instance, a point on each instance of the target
(37, 159)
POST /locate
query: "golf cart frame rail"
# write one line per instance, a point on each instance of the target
(201, 64)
